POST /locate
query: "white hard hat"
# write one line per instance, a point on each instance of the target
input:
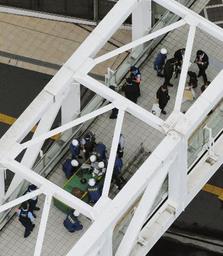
(93, 158)
(75, 142)
(101, 165)
(163, 51)
(91, 182)
(76, 213)
(74, 163)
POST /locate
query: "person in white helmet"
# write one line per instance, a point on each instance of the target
(75, 148)
(94, 192)
(71, 223)
(159, 61)
(99, 171)
(70, 167)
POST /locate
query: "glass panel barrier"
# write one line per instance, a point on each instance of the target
(197, 143)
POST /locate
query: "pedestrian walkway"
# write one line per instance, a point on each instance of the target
(58, 241)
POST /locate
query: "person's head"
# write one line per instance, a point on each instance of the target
(183, 51)
(199, 52)
(163, 51)
(101, 165)
(164, 87)
(24, 206)
(91, 182)
(128, 81)
(74, 163)
(75, 142)
(93, 158)
(32, 187)
(76, 213)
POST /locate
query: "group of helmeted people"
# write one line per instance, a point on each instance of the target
(26, 211)
(167, 67)
(87, 153)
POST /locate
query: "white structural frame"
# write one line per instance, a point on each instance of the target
(169, 159)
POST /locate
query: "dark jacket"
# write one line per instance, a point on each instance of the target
(71, 223)
(163, 97)
(159, 61)
(169, 67)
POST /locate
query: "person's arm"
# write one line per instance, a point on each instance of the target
(30, 216)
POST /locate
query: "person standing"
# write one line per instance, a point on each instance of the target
(168, 71)
(26, 218)
(131, 90)
(75, 148)
(202, 62)
(159, 62)
(32, 202)
(178, 56)
(69, 167)
(121, 145)
(135, 76)
(71, 223)
(94, 192)
(163, 97)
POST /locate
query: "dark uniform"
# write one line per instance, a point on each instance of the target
(100, 150)
(135, 77)
(26, 219)
(202, 61)
(163, 97)
(131, 90)
(94, 193)
(68, 169)
(168, 71)
(178, 56)
(75, 150)
(159, 63)
(71, 223)
(32, 201)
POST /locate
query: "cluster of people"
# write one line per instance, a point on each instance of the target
(131, 88)
(166, 69)
(90, 155)
(26, 213)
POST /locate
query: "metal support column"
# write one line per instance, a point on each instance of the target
(71, 106)
(141, 22)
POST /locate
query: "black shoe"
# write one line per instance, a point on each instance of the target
(171, 85)
(36, 209)
(160, 75)
(163, 112)
(26, 235)
(113, 117)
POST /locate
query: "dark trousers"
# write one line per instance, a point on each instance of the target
(28, 227)
(32, 205)
(167, 79)
(202, 72)
(162, 105)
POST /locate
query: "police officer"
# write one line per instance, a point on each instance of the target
(71, 223)
(94, 192)
(100, 150)
(168, 71)
(26, 218)
(75, 148)
(160, 61)
(117, 167)
(162, 97)
(33, 201)
(69, 167)
(131, 90)
(135, 77)
(202, 61)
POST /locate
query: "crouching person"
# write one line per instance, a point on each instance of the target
(71, 223)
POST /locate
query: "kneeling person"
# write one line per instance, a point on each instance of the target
(71, 223)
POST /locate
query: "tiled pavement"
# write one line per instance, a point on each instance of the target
(58, 241)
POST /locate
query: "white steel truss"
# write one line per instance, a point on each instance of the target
(168, 160)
